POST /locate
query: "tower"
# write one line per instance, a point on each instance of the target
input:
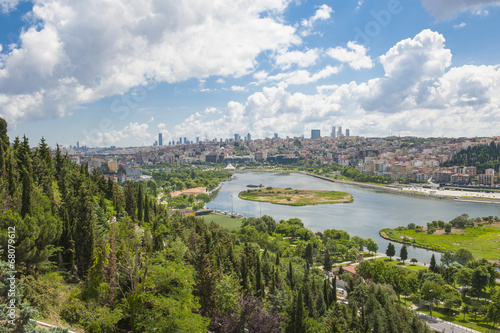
(333, 132)
(160, 139)
(315, 134)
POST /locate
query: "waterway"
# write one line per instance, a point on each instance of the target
(370, 211)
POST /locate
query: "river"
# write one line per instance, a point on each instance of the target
(370, 211)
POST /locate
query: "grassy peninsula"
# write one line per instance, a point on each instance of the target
(480, 236)
(292, 197)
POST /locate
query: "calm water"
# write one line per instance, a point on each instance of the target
(371, 210)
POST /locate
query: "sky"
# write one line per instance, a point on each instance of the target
(118, 72)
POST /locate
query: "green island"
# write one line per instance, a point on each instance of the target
(480, 236)
(292, 197)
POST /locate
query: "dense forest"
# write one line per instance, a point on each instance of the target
(483, 157)
(99, 257)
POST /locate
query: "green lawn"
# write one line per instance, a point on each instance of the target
(482, 241)
(294, 197)
(223, 221)
(407, 264)
(439, 312)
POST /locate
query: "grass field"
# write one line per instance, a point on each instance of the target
(223, 221)
(293, 197)
(483, 241)
(406, 265)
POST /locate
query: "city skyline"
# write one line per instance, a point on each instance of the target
(117, 75)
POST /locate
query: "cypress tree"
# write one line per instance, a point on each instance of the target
(290, 275)
(433, 265)
(326, 292)
(140, 204)
(258, 280)
(146, 209)
(84, 235)
(26, 197)
(2, 163)
(334, 290)
(403, 253)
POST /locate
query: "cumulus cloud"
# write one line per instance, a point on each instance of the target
(302, 59)
(420, 94)
(354, 55)
(445, 9)
(323, 13)
(82, 51)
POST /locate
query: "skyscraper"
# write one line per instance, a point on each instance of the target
(276, 136)
(237, 137)
(315, 134)
(333, 132)
(160, 139)
(347, 132)
(339, 133)
(249, 137)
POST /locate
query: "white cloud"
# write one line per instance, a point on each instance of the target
(459, 26)
(8, 5)
(302, 59)
(303, 76)
(354, 55)
(445, 9)
(237, 88)
(133, 131)
(360, 3)
(83, 51)
(323, 13)
(419, 95)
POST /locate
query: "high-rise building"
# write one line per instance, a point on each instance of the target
(276, 136)
(185, 140)
(339, 133)
(78, 145)
(197, 139)
(237, 137)
(347, 133)
(249, 137)
(333, 132)
(315, 134)
(160, 139)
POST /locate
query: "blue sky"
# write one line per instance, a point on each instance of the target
(119, 72)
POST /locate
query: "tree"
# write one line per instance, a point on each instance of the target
(493, 314)
(447, 258)
(308, 256)
(327, 264)
(296, 315)
(479, 279)
(391, 250)
(403, 253)
(433, 265)
(371, 245)
(463, 256)
(431, 292)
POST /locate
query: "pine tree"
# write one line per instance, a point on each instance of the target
(403, 253)
(334, 290)
(146, 209)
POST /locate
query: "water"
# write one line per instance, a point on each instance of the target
(371, 210)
